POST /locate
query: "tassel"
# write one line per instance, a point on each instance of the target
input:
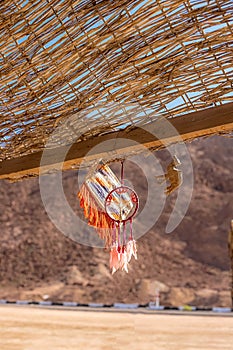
(96, 218)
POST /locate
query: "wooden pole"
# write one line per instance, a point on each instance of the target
(230, 246)
(186, 127)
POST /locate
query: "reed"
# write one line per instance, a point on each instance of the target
(61, 57)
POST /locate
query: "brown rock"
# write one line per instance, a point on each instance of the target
(74, 276)
(181, 296)
(225, 298)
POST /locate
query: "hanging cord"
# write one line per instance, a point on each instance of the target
(131, 230)
(119, 237)
(120, 224)
(114, 238)
(122, 173)
(124, 233)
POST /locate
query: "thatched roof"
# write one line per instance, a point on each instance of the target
(62, 57)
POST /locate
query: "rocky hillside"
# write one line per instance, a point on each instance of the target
(190, 265)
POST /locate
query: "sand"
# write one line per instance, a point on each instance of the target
(25, 328)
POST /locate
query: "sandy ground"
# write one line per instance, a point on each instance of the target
(24, 328)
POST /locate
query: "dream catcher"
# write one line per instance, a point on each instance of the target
(108, 206)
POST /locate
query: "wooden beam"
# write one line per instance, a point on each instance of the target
(186, 127)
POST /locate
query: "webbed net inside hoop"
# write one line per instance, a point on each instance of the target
(108, 205)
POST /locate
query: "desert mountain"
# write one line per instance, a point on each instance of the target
(190, 265)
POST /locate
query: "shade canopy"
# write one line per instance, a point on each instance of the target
(108, 65)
